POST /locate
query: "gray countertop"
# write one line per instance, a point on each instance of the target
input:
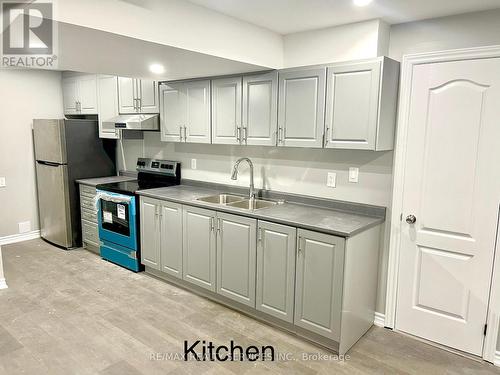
(327, 220)
(105, 180)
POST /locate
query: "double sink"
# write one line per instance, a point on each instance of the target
(238, 201)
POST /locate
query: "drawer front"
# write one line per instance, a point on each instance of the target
(90, 232)
(87, 190)
(89, 215)
(87, 203)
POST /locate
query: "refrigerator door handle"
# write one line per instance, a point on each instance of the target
(48, 163)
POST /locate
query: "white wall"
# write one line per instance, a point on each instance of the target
(26, 94)
(341, 43)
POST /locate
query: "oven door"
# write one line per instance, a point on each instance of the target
(117, 219)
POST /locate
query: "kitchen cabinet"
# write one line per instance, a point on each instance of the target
(318, 283)
(199, 247)
(107, 92)
(137, 96)
(80, 94)
(260, 109)
(88, 212)
(226, 110)
(361, 104)
(301, 105)
(171, 238)
(236, 256)
(150, 232)
(185, 111)
(276, 246)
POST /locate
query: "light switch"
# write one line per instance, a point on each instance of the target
(193, 163)
(2, 182)
(24, 226)
(331, 180)
(353, 174)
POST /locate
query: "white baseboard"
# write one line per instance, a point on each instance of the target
(379, 319)
(496, 361)
(19, 237)
(3, 284)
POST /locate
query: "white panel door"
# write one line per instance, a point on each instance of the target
(236, 253)
(150, 232)
(197, 106)
(226, 110)
(70, 95)
(301, 106)
(260, 109)
(171, 238)
(127, 95)
(172, 112)
(352, 105)
(147, 93)
(88, 94)
(452, 187)
(107, 91)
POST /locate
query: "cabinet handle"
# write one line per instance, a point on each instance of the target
(238, 134)
(139, 104)
(259, 234)
(299, 244)
(326, 136)
(245, 134)
(180, 132)
(280, 135)
(212, 224)
(185, 133)
(219, 226)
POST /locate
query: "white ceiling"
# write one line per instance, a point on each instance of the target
(289, 16)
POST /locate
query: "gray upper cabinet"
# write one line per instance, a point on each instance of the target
(185, 111)
(301, 106)
(80, 94)
(226, 110)
(150, 232)
(137, 96)
(171, 238)
(260, 112)
(276, 246)
(107, 90)
(361, 104)
(198, 247)
(319, 283)
(236, 253)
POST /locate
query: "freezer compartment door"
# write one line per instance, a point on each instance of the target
(49, 139)
(53, 204)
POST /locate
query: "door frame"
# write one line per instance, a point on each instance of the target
(409, 62)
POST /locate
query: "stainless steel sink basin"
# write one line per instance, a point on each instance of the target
(253, 204)
(222, 199)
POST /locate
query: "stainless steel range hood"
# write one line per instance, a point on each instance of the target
(134, 122)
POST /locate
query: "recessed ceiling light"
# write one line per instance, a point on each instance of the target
(361, 3)
(157, 68)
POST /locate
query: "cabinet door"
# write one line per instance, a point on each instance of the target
(172, 112)
(107, 93)
(171, 238)
(260, 109)
(127, 95)
(301, 107)
(150, 230)
(276, 269)
(147, 93)
(226, 110)
(70, 95)
(319, 274)
(198, 247)
(236, 253)
(197, 96)
(88, 94)
(352, 105)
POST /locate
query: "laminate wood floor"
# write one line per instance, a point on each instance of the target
(69, 312)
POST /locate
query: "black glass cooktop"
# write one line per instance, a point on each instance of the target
(131, 187)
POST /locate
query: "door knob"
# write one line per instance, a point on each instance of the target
(411, 219)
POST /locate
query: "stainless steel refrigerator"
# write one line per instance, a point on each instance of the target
(65, 151)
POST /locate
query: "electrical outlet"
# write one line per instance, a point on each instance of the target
(24, 226)
(353, 174)
(193, 163)
(2, 182)
(331, 180)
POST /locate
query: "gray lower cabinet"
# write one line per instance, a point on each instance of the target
(198, 250)
(236, 253)
(150, 232)
(319, 283)
(88, 211)
(276, 248)
(171, 238)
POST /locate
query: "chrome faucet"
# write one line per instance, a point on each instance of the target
(234, 175)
